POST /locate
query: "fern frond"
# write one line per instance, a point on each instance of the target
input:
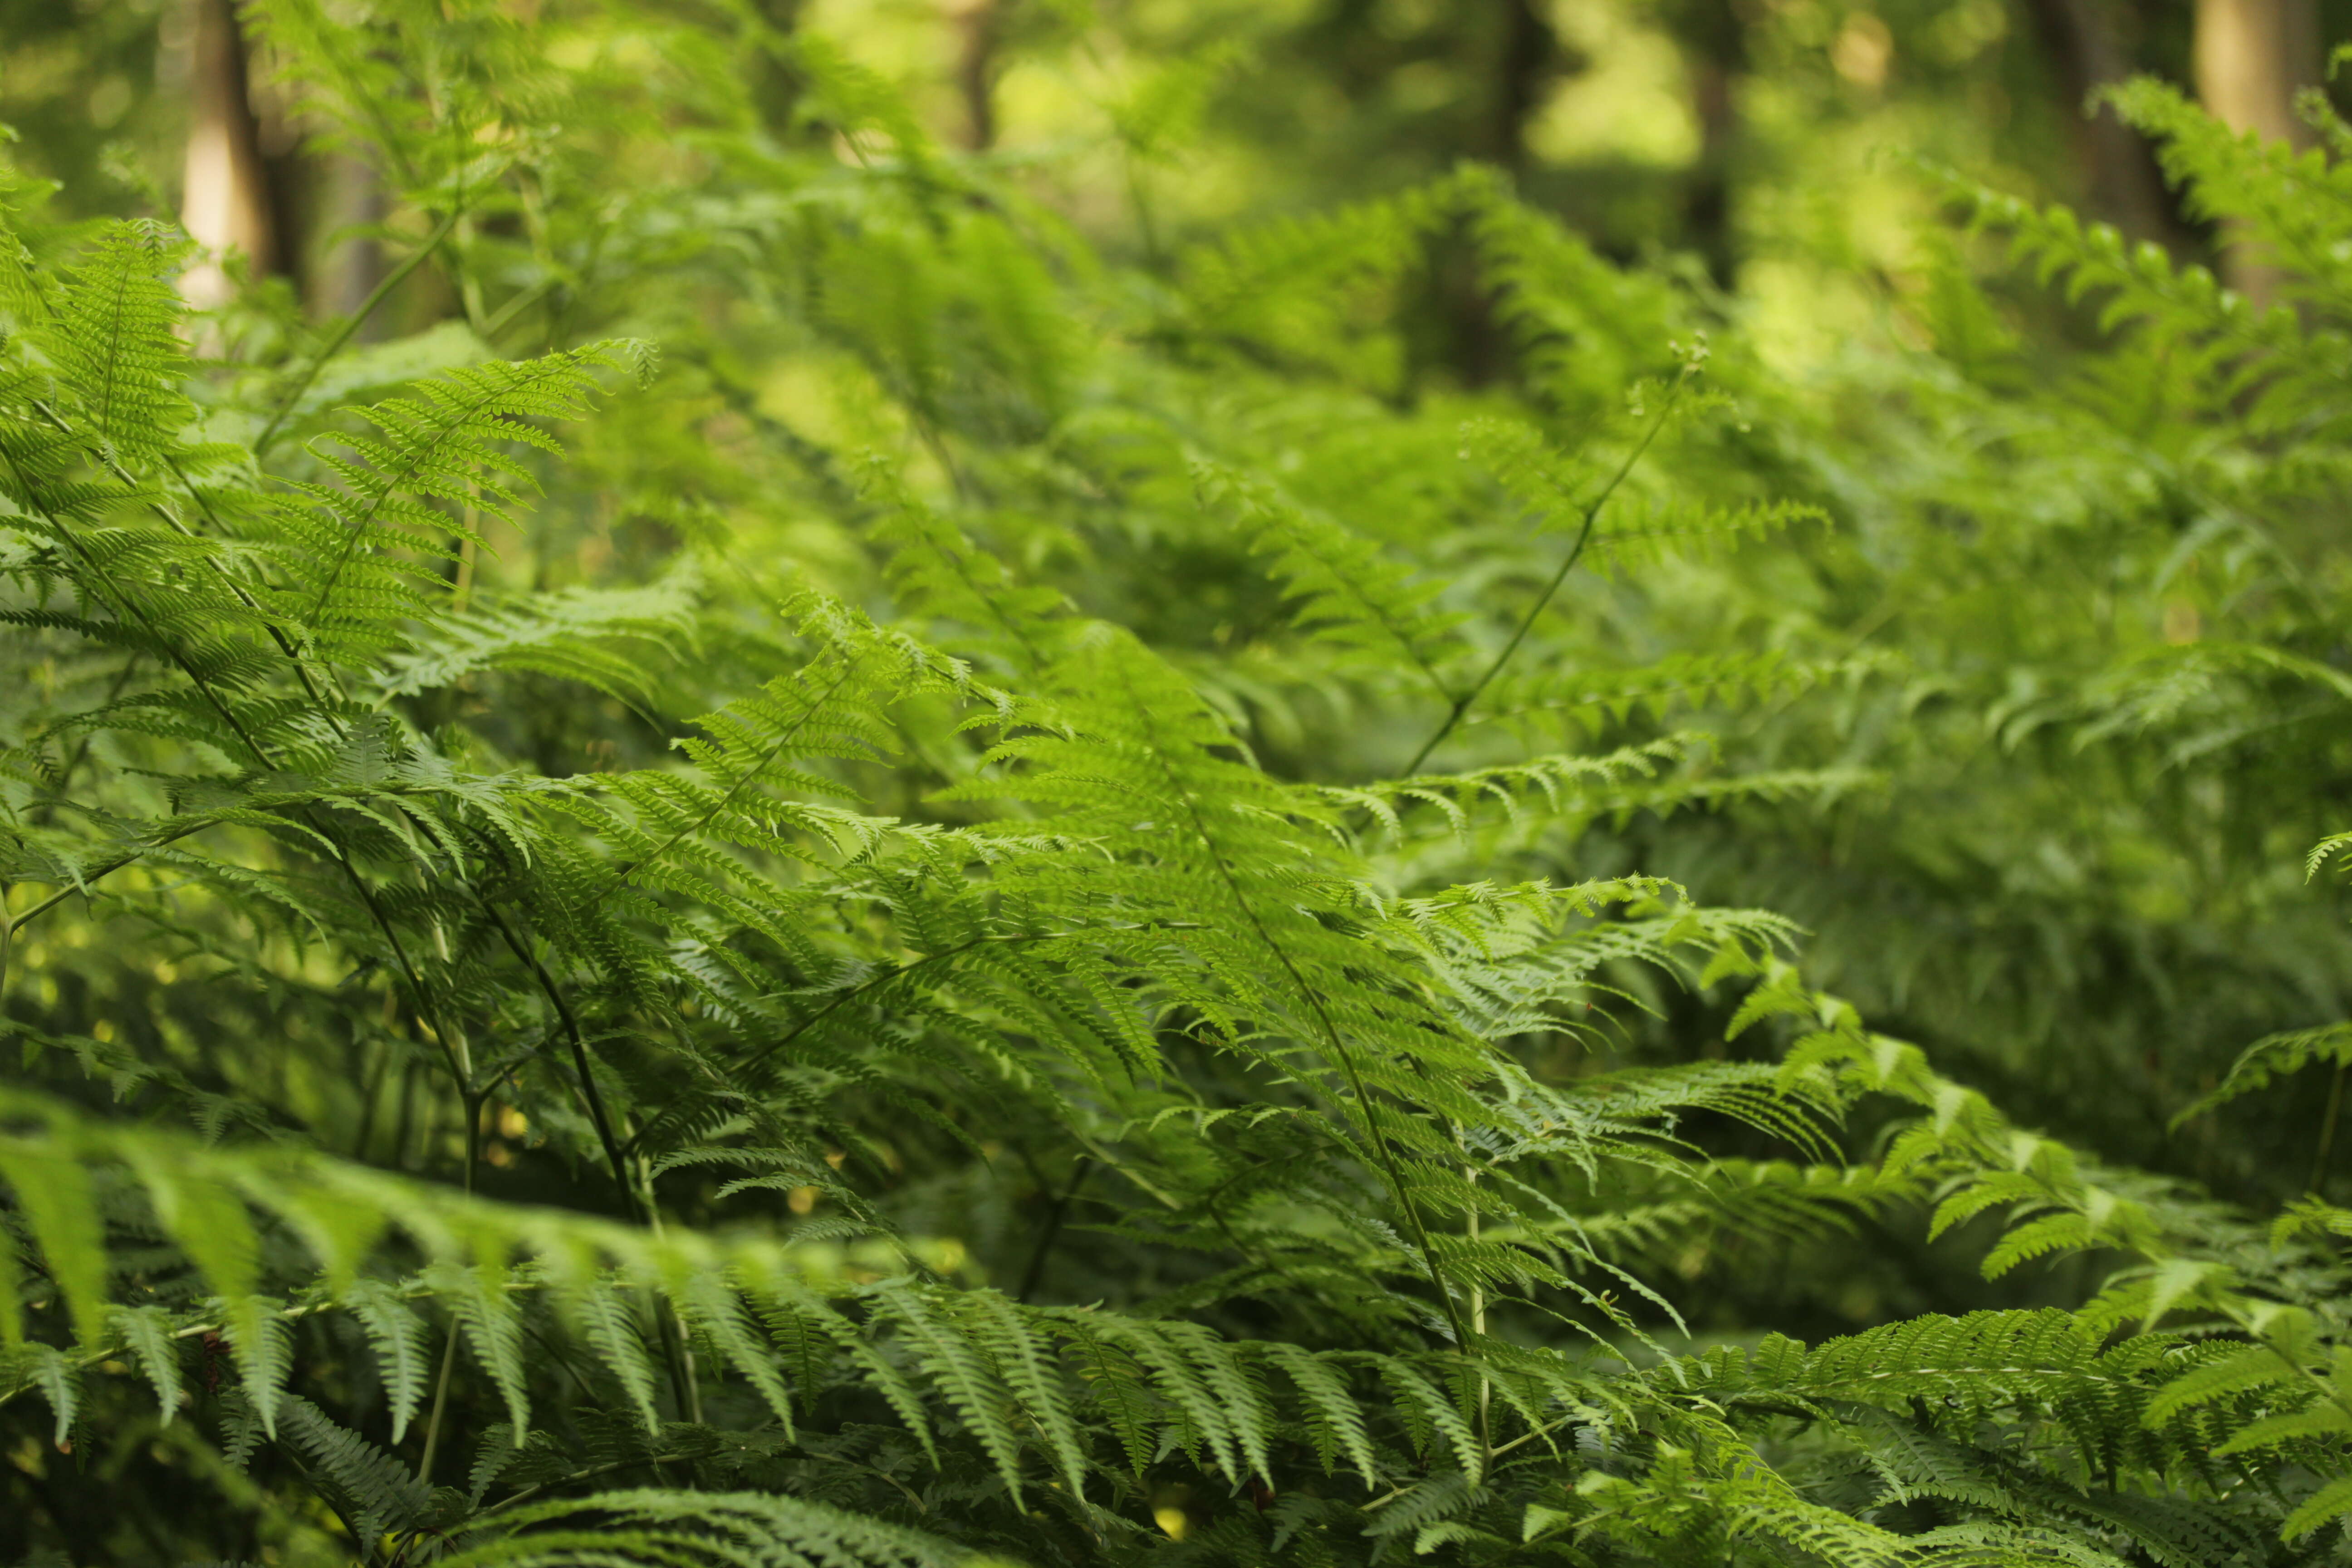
(692, 1528)
(2271, 1059)
(349, 558)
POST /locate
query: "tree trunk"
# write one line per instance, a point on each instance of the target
(225, 202)
(2122, 183)
(1714, 41)
(1528, 59)
(2252, 56)
(982, 22)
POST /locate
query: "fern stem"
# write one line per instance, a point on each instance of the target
(598, 1114)
(503, 317)
(2327, 1128)
(1382, 1150)
(349, 324)
(676, 1352)
(640, 1208)
(724, 801)
(1478, 1327)
(1037, 1255)
(440, 1400)
(449, 1347)
(1462, 704)
(406, 1122)
(462, 593)
(83, 881)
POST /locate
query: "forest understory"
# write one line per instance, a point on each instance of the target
(759, 807)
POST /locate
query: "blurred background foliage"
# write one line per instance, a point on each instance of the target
(1747, 137)
(2061, 655)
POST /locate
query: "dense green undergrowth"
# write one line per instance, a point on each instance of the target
(1247, 960)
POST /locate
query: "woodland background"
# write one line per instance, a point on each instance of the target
(1741, 135)
(2027, 724)
(2009, 896)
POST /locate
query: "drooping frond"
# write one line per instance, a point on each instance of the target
(420, 480)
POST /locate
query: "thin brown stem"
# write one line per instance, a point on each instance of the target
(450, 1348)
(1462, 704)
(1054, 1217)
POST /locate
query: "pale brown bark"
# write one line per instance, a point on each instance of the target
(2252, 56)
(982, 22)
(225, 202)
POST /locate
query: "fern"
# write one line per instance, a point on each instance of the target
(1047, 1049)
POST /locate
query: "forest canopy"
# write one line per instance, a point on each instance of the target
(1034, 783)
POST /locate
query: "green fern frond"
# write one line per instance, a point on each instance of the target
(2271, 1059)
(351, 555)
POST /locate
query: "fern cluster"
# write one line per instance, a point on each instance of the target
(1127, 1025)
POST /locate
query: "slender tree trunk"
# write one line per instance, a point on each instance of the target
(2121, 181)
(2252, 56)
(1529, 59)
(1526, 60)
(225, 203)
(982, 23)
(1713, 40)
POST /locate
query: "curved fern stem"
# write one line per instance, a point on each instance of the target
(1478, 1326)
(594, 1097)
(2327, 1128)
(277, 633)
(449, 1349)
(850, 993)
(343, 331)
(81, 883)
(639, 1206)
(1462, 704)
(1329, 1029)
(784, 741)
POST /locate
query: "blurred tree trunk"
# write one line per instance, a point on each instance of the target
(225, 201)
(2251, 57)
(1714, 43)
(1529, 57)
(2122, 183)
(982, 23)
(1526, 61)
(775, 85)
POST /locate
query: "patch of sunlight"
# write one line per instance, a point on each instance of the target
(1631, 102)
